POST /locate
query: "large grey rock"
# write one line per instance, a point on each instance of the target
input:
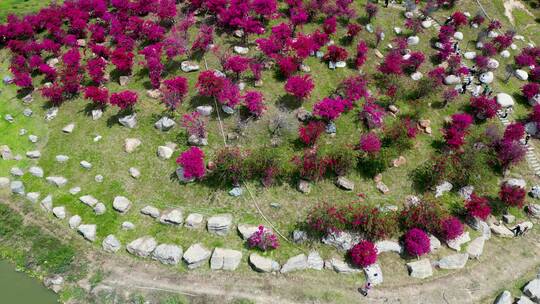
(142, 246)
(172, 217)
(521, 75)
(535, 192)
(51, 113)
(240, 50)
(74, 221)
(127, 225)
(504, 298)
(493, 64)
(46, 203)
(345, 183)
(134, 172)
(168, 254)
(220, 224)
(314, 261)
(452, 80)
(246, 230)
(62, 158)
(205, 110)
(129, 121)
(341, 266)
(420, 269)
(17, 187)
(443, 188)
(88, 231)
(33, 154)
(16, 171)
(59, 212)
(5, 152)
(388, 246)
(196, 255)
(111, 243)
(501, 231)
(121, 204)
(69, 128)
(486, 77)
(516, 182)
(88, 200)
(524, 300)
(85, 164)
(466, 192)
(130, 144)
(58, 181)
(374, 274)
(454, 261)
(225, 259)
(413, 40)
(33, 196)
(33, 138)
(194, 221)
(476, 247)
(189, 66)
(54, 283)
(533, 210)
(295, 263)
(150, 211)
(532, 290)
(343, 240)
(100, 209)
(36, 171)
(299, 236)
(460, 240)
(262, 264)
(164, 124)
(470, 55)
(96, 114)
(164, 152)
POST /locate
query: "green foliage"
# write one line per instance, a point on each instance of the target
(10, 223)
(52, 255)
(341, 159)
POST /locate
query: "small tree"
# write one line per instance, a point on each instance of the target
(361, 54)
(192, 161)
(484, 107)
(416, 242)
(310, 132)
(254, 102)
(363, 254)
(209, 84)
(371, 11)
(329, 109)
(237, 65)
(370, 143)
(98, 95)
(194, 125)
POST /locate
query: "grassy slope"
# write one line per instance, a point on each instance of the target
(155, 186)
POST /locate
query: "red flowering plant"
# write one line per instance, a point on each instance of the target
(451, 228)
(123, 60)
(509, 152)
(353, 29)
(229, 94)
(414, 25)
(449, 95)
(287, 65)
(303, 46)
(192, 161)
(335, 53)
(530, 90)
(426, 215)
(173, 92)
(329, 108)
(229, 165)
(152, 55)
(512, 196)
(310, 132)
(125, 100)
(371, 10)
(392, 64)
(363, 254)
(484, 107)
(96, 69)
(372, 114)
(416, 242)
(54, 94)
(454, 133)
(329, 25)
(98, 95)
(263, 239)
(299, 86)
(534, 116)
(254, 102)
(514, 132)
(459, 19)
(478, 207)
(194, 125)
(203, 40)
(370, 143)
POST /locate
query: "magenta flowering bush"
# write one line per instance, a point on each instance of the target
(194, 125)
(192, 161)
(416, 242)
(237, 65)
(455, 132)
(530, 90)
(299, 86)
(478, 207)
(98, 95)
(484, 107)
(124, 100)
(174, 91)
(354, 88)
(372, 114)
(329, 108)
(263, 239)
(209, 83)
(451, 228)
(363, 254)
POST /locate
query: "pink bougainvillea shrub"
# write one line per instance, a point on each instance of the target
(484, 107)
(370, 143)
(210, 84)
(455, 132)
(174, 91)
(98, 95)
(263, 239)
(194, 125)
(299, 86)
(192, 161)
(363, 254)
(254, 102)
(416, 242)
(329, 108)
(310, 132)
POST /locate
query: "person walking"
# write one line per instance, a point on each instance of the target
(365, 290)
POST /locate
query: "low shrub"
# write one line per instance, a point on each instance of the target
(363, 254)
(263, 239)
(416, 242)
(426, 215)
(451, 228)
(478, 207)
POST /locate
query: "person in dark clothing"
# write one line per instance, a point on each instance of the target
(517, 230)
(364, 290)
(385, 3)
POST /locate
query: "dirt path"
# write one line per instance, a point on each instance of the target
(510, 5)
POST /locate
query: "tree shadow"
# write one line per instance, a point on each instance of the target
(288, 102)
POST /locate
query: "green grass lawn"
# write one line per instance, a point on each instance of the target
(156, 187)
